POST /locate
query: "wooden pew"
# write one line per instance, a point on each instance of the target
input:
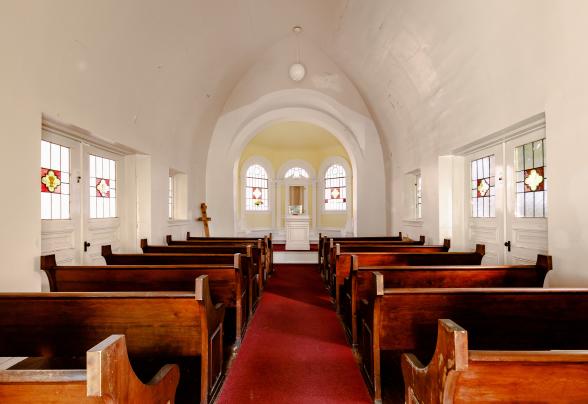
(457, 374)
(267, 239)
(187, 259)
(329, 244)
(107, 378)
(325, 239)
(228, 285)
(264, 246)
(380, 248)
(357, 285)
(396, 321)
(160, 328)
(342, 262)
(255, 251)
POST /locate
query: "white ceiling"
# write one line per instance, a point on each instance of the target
(147, 71)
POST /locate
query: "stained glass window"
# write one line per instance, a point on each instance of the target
(256, 189)
(531, 182)
(335, 188)
(418, 197)
(296, 172)
(170, 198)
(483, 187)
(102, 187)
(55, 181)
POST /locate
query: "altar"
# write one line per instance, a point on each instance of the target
(297, 219)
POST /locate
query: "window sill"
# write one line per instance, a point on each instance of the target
(177, 222)
(413, 222)
(333, 212)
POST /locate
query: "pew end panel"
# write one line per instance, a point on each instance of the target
(108, 377)
(212, 315)
(458, 375)
(427, 384)
(106, 251)
(370, 341)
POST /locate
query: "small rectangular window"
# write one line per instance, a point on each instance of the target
(418, 197)
(170, 198)
(531, 180)
(55, 181)
(102, 187)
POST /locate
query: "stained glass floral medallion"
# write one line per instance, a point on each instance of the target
(534, 179)
(50, 180)
(103, 187)
(483, 187)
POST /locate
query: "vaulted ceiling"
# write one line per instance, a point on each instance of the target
(148, 71)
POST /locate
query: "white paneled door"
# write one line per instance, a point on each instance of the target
(506, 188)
(80, 199)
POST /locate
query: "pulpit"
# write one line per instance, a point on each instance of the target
(297, 219)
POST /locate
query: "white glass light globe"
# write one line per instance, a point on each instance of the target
(297, 72)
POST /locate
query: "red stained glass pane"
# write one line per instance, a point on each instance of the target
(50, 181)
(535, 179)
(103, 187)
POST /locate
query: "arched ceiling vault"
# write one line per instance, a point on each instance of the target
(149, 70)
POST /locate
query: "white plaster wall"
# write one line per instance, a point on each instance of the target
(567, 134)
(355, 131)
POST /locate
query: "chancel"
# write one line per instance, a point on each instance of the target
(294, 201)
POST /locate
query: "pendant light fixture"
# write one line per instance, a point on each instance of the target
(297, 70)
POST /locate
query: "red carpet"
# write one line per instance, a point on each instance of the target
(294, 350)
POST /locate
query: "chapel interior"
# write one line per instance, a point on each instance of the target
(337, 191)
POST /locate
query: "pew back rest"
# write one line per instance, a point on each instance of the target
(156, 324)
(466, 276)
(164, 259)
(224, 280)
(536, 319)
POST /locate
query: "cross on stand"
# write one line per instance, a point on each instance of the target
(204, 219)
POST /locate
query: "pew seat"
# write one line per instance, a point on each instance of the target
(227, 283)
(106, 377)
(397, 321)
(342, 262)
(357, 285)
(160, 328)
(456, 374)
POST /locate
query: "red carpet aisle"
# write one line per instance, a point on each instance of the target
(294, 350)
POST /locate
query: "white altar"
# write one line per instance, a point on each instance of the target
(298, 232)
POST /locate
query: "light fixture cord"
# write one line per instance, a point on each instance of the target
(298, 47)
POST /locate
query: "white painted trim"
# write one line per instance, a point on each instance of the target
(297, 163)
(514, 131)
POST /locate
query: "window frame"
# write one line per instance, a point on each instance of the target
(264, 163)
(325, 166)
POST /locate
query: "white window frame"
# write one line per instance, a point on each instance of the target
(267, 166)
(179, 196)
(411, 192)
(325, 165)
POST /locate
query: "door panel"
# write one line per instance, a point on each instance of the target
(512, 234)
(485, 207)
(102, 200)
(61, 236)
(527, 235)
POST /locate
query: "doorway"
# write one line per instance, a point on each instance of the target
(507, 198)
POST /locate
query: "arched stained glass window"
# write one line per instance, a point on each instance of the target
(335, 188)
(296, 172)
(256, 189)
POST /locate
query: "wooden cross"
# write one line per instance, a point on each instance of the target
(204, 219)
